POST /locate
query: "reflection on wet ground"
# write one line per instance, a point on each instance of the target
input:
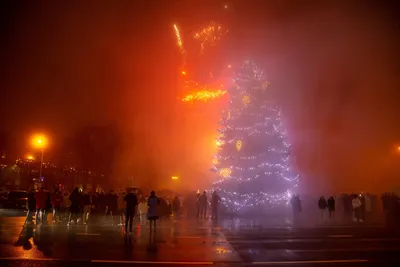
(200, 242)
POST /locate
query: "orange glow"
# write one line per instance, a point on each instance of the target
(183, 72)
(175, 177)
(30, 157)
(204, 95)
(39, 141)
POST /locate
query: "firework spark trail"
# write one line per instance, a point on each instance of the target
(179, 42)
(209, 35)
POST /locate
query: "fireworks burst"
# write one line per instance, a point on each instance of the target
(196, 91)
(204, 95)
(202, 92)
(210, 35)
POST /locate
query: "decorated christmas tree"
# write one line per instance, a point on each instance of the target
(253, 162)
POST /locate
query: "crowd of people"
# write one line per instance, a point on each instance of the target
(82, 207)
(357, 208)
(121, 207)
(78, 206)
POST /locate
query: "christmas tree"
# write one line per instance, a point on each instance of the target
(253, 158)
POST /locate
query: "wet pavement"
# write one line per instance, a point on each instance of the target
(195, 242)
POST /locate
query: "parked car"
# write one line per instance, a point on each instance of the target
(16, 199)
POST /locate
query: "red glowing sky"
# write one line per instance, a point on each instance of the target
(333, 67)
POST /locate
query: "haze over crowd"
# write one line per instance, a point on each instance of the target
(332, 66)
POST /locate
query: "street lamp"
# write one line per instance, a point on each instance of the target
(30, 157)
(175, 177)
(39, 141)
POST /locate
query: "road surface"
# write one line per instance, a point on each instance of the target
(188, 243)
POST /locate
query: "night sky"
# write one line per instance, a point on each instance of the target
(334, 67)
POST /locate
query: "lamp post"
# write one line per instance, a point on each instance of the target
(41, 164)
(40, 142)
(175, 181)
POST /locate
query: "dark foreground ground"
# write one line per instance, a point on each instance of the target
(188, 243)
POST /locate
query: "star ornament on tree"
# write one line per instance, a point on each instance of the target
(239, 145)
(246, 100)
(225, 172)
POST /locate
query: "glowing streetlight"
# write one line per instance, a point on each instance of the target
(30, 157)
(39, 141)
(175, 177)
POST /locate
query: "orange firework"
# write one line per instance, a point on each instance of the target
(210, 35)
(204, 95)
(207, 37)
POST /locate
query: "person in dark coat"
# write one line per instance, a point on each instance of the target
(41, 202)
(112, 205)
(296, 208)
(331, 208)
(87, 206)
(177, 207)
(57, 200)
(30, 205)
(215, 200)
(48, 202)
(203, 205)
(131, 203)
(153, 214)
(95, 202)
(198, 204)
(163, 207)
(74, 209)
(322, 205)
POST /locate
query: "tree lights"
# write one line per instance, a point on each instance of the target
(253, 159)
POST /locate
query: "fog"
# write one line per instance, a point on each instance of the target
(333, 68)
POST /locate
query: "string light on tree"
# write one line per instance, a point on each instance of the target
(260, 177)
(265, 85)
(219, 142)
(215, 161)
